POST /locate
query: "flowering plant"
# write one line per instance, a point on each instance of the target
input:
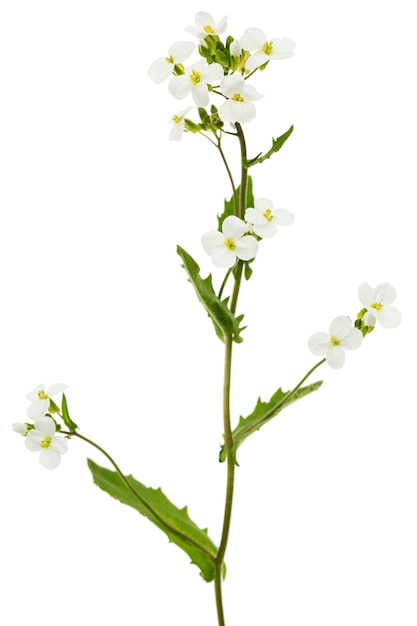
(222, 101)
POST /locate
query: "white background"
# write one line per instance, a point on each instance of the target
(94, 199)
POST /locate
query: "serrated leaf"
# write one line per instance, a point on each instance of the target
(229, 205)
(156, 507)
(263, 413)
(65, 415)
(225, 323)
(276, 146)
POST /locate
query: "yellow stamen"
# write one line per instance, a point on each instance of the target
(45, 443)
(208, 29)
(170, 59)
(42, 395)
(237, 97)
(177, 118)
(377, 305)
(230, 244)
(334, 341)
(195, 77)
(268, 215)
(268, 47)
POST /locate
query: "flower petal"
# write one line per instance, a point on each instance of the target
(389, 317)
(352, 340)
(340, 327)
(33, 395)
(223, 257)
(385, 293)
(246, 247)
(181, 50)
(253, 39)
(212, 240)
(283, 217)
(335, 357)
(56, 388)
(49, 459)
(234, 227)
(160, 70)
(37, 409)
(366, 294)
(318, 343)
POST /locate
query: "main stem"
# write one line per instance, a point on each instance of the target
(240, 207)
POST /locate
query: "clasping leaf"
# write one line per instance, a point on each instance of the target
(154, 505)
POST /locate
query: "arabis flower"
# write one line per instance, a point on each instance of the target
(195, 80)
(20, 429)
(238, 107)
(40, 398)
(264, 50)
(205, 25)
(178, 121)
(162, 68)
(42, 439)
(264, 219)
(231, 243)
(378, 302)
(342, 336)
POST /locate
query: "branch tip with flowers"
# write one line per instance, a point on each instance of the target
(221, 95)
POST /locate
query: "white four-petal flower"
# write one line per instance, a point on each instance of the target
(378, 302)
(42, 439)
(195, 80)
(254, 40)
(264, 219)
(342, 336)
(232, 242)
(205, 25)
(238, 106)
(162, 68)
(40, 399)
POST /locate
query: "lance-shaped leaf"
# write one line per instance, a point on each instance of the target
(154, 505)
(276, 146)
(225, 323)
(263, 413)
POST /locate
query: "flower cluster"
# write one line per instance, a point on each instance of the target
(343, 335)
(40, 436)
(223, 70)
(239, 238)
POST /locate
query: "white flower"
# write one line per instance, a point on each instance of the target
(196, 79)
(43, 439)
(162, 68)
(40, 399)
(238, 107)
(224, 247)
(378, 302)
(178, 121)
(343, 336)
(205, 25)
(255, 39)
(264, 219)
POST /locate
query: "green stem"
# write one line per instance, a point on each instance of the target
(229, 173)
(240, 208)
(138, 496)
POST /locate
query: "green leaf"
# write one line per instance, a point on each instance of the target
(154, 505)
(225, 323)
(65, 415)
(229, 205)
(263, 413)
(276, 146)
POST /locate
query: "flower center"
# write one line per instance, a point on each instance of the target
(237, 97)
(334, 341)
(377, 305)
(195, 77)
(42, 395)
(170, 59)
(208, 29)
(177, 118)
(268, 215)
(45, 443)
(230, 244)
(268, 47)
